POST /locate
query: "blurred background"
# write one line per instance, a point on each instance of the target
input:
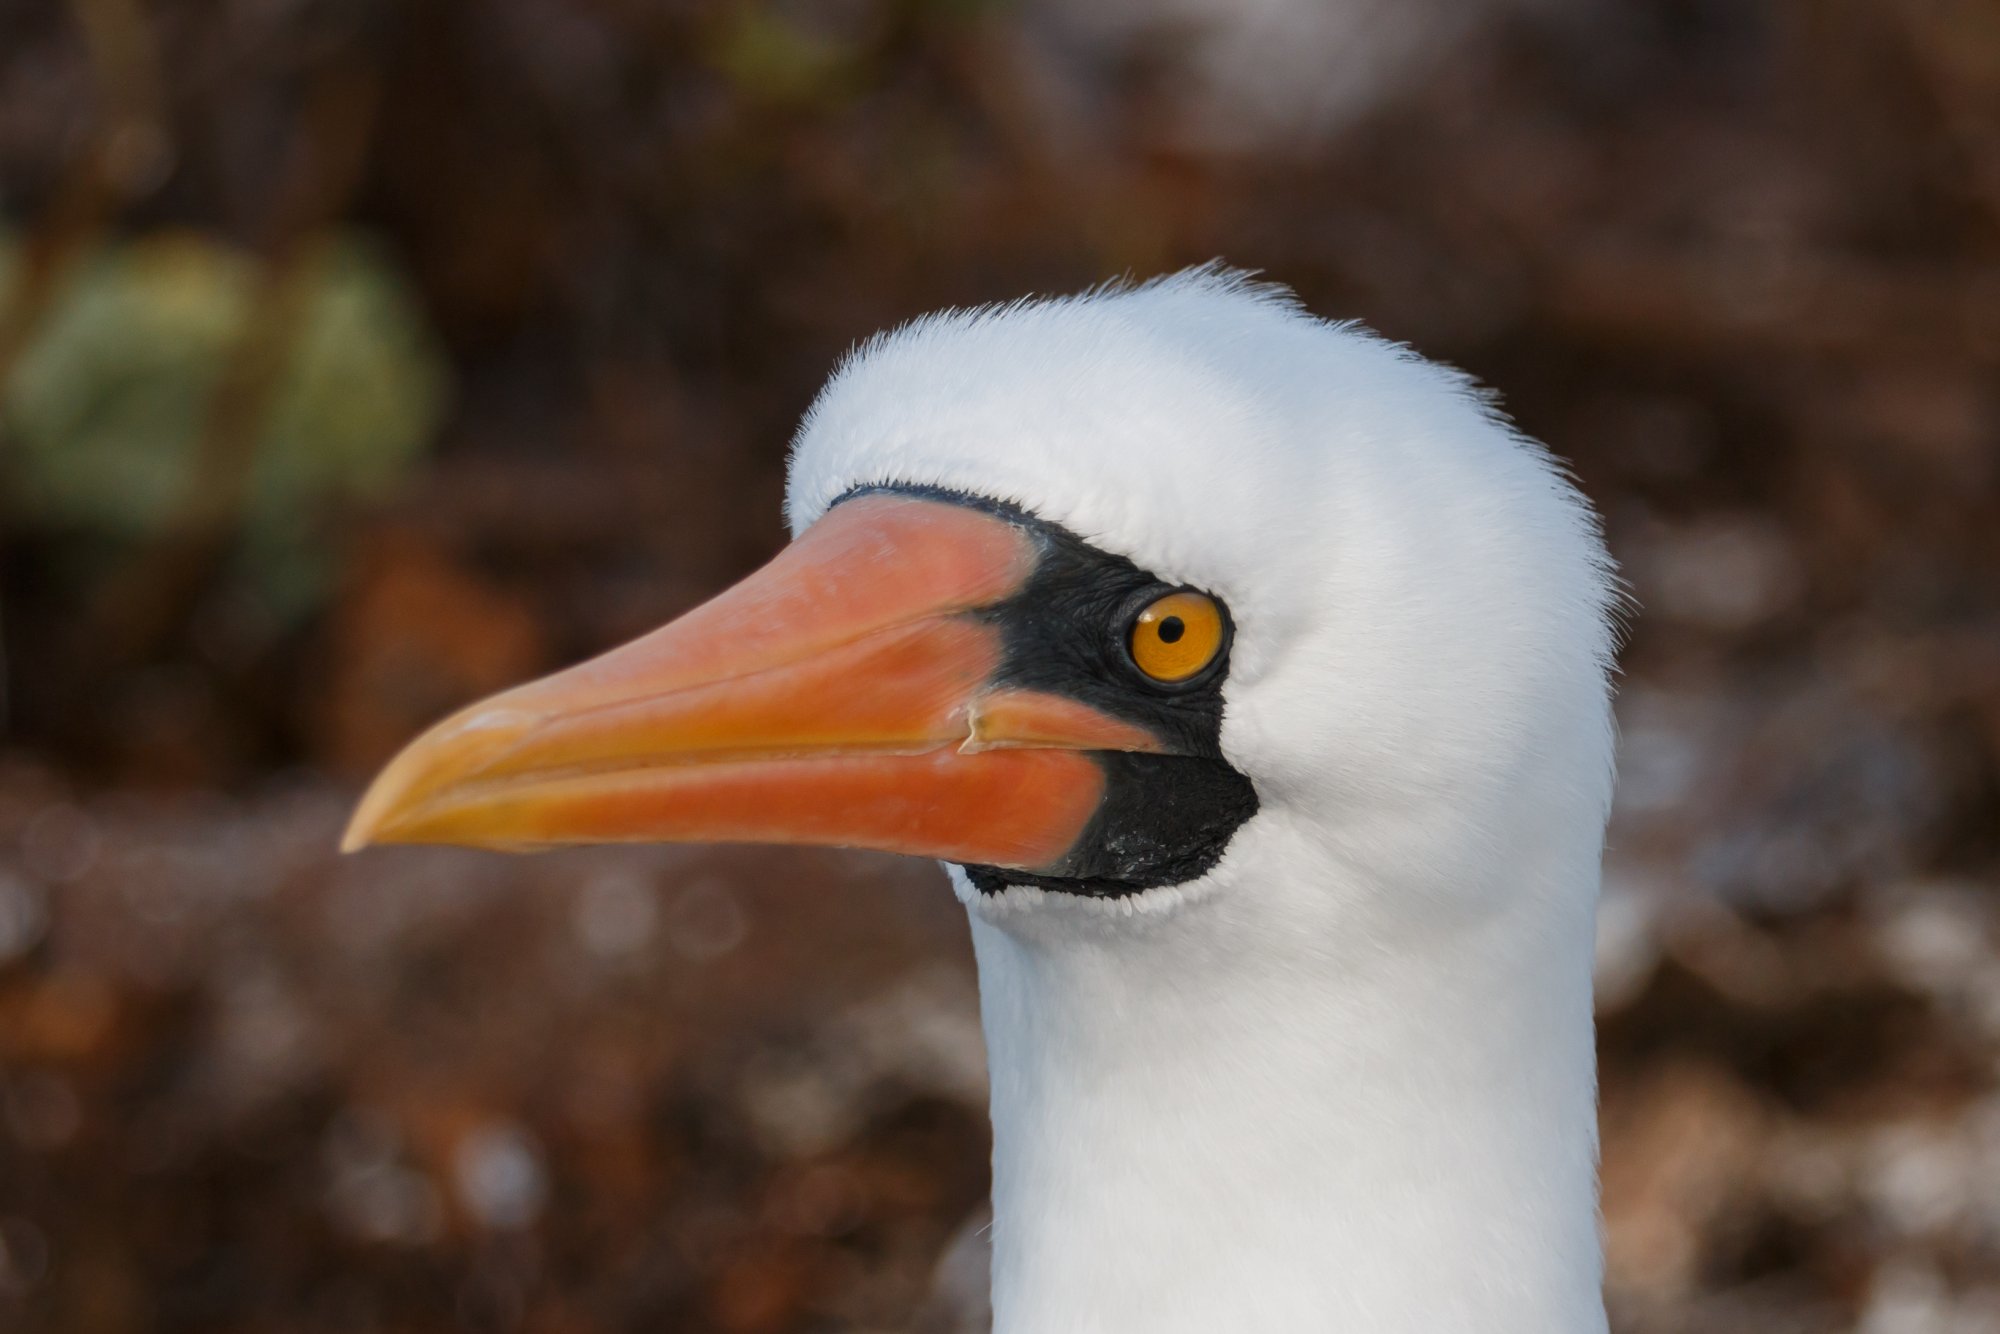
(358, 357)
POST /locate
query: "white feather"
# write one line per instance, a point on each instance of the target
(1344, 1081)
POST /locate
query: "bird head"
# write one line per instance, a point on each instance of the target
(1111, 603)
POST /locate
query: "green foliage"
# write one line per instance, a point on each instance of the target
(773, 59)
(105, 412)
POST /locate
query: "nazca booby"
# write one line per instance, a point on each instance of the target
(1250, 675)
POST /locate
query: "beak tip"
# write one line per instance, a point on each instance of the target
(364, 827)
(447, 752)
(377, 813)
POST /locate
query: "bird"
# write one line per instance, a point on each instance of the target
(1250, 675)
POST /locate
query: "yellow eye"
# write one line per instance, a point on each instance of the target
(1177, 636)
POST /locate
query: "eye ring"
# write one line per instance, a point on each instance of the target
(1175, 639)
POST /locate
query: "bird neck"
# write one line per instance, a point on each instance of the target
(1218, 1121)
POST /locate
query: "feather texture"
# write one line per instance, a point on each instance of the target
(1345, 1079)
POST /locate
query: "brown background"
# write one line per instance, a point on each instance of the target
(1738, 260)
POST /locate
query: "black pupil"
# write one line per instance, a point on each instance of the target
(1171, 630)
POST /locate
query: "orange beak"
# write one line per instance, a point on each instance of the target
(842, 695)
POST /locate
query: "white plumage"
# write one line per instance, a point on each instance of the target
(1345, 1080)
(1284, 952)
